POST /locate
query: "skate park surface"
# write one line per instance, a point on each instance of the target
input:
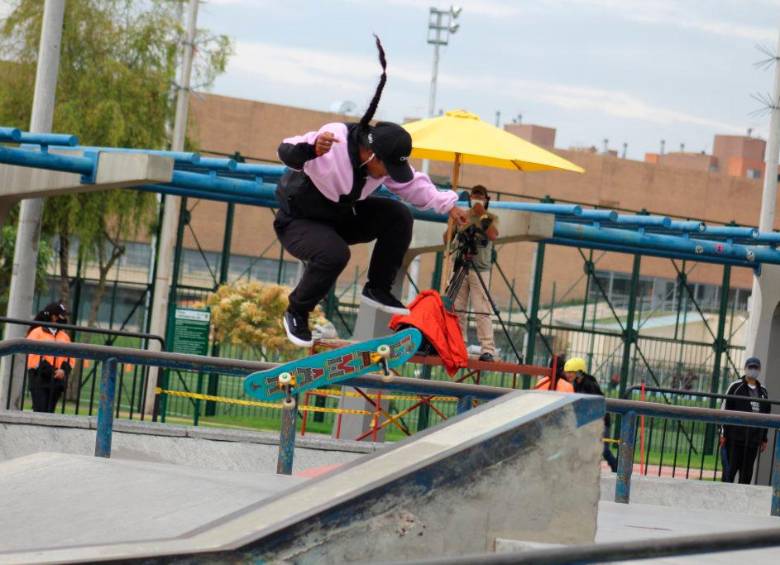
(450, 490)
(518, 471)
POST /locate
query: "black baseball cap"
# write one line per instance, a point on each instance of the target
(392, 144)
(57, 309)
(753, 363)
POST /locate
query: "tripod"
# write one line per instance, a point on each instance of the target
(463, 265)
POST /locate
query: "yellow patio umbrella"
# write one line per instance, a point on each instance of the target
(463, 139)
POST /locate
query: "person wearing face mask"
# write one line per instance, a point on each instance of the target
(484, 227)
(47, 374)
(325, 206)
(740, 444)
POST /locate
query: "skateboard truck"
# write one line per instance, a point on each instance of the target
(286, 383)
(381, 356)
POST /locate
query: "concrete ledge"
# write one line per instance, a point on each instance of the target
(149, 428)
(26, 433)
(694, 495)
(114, 170)
(45, 419)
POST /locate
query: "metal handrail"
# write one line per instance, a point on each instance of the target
(236, 367)
(84, 329)
(636, 388)
(630, 409)
(624, 550)
(707, 415)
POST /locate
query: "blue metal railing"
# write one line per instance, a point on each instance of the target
(112, 356)
(629, 410)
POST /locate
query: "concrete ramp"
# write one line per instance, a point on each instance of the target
(525, 466)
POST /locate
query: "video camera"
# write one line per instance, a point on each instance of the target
(471, 238)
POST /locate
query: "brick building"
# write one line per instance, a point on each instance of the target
(716, 188)
(682, 185)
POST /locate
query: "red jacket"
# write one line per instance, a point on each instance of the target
(439, 326)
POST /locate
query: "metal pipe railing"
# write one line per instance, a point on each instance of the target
(638, 388)
(84, 329)
(625, 550)
(112, 356)
(630, 409)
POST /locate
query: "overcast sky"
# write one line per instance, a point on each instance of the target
(634, 71)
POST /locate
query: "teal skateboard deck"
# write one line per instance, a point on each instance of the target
(330, 367)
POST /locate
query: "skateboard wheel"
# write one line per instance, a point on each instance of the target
(289, 403)
(285, 379)
(384, 351)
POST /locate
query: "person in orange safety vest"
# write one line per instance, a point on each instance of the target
(562, 380)
(47, 374)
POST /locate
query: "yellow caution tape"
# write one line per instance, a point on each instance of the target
(336, 394)
(240, 402)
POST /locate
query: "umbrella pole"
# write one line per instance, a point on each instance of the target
(450, 222)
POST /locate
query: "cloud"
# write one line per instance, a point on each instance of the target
(313, 69)
(613, 103)
(299, 66)
(486, 8)
(677, 13)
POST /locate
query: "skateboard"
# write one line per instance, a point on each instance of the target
(330, 367)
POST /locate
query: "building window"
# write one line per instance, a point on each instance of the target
(659, 294)
(753, 174)
(136, 256)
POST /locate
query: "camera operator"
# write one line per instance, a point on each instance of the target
(474, 242)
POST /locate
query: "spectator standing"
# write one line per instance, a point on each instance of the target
(483, 227)
(740, 444)
(47, 374)
(562, 380)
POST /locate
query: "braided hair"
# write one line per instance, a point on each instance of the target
(364, 125)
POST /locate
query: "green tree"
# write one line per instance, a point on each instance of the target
(116, 87)
(7, 243)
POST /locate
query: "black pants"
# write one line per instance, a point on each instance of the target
(740, 458)
(324, 246)
(607, 454)
(45, 391)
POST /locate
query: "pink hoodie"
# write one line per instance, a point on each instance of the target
(332, 175)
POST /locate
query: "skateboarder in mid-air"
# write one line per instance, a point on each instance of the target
(325, 205)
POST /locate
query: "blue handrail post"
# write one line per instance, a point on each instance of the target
(465, 403)
(776, 477)
(625, 458)
(284, 463)
(105, 417)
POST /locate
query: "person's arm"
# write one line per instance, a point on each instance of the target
(421, 193)
(296, 151)
(727, 404)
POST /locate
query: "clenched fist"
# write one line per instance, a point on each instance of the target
(324, 142)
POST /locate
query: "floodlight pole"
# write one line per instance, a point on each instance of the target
(769, 194)
(163, 274)
(441, 24)
(768, 199)
(22, 287)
